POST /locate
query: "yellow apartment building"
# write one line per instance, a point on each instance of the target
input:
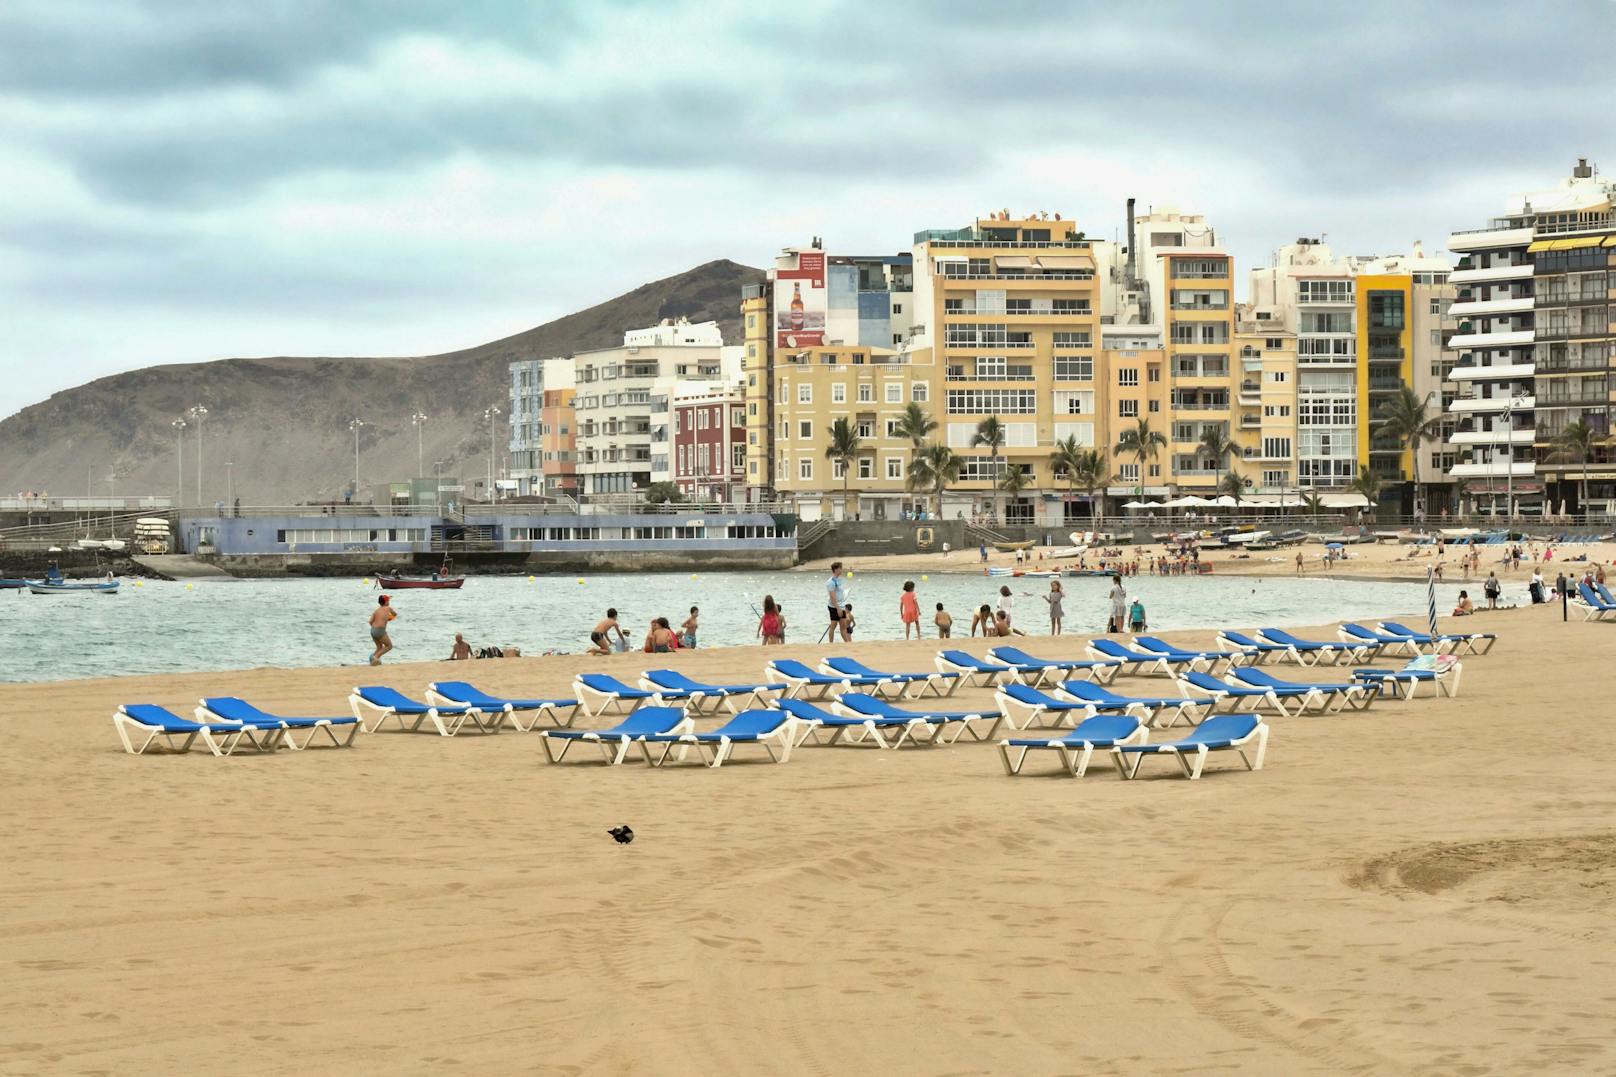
(759, 400)
(1198, 331)
(1267, 433)
(1385, 365)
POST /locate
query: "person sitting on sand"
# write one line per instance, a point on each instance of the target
(461, 650)
(944, 622)
(1465, 607)
(660, 639)
(1001, 625)
(768, 629)
(983, 617)
(600, 638)
(909, 609)
(383, 615)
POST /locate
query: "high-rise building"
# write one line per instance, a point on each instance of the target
(541, 427)
(1536, 346)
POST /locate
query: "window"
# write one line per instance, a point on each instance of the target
(1127, 375)
(1083, 432)
(805, 468)
(894, 467)
(1324, 291)
(1128, 472)
(897, 308)
(866, 428)
(919, 391)
(992, 401)
(866, 393)
(1073, 340)
(805, 429)
(1317, 322)
(1276, 377)
(737, 457)
(805, 393)
(894, 392)
(1074, 368)
(782, 397)
(1275, 478)
(1273, 343)
(838, 469)
(1128, 409)
(892, 428)
(1070, 402)
(866, 468)
(838, 392)
(1155, 406)
(1153, 373)
(1276, 448)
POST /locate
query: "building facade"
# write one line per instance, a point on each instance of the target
(541, 428)
(709, 442)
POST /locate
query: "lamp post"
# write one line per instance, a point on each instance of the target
(354, 425)
(179, 461)
(437, 488)
(230, 486)
(1515, 400)
(420, 421)
(199, 413)
(491, 414)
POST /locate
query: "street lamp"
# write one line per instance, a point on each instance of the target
(199, 413)
(230, 485)
(1515, 400)
(179, 461)
(420, 421)
(491, 414)
(354, 425)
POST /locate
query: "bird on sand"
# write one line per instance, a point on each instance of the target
(621, 834)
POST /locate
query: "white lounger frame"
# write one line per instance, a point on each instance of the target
(323, 725)
(1192, 762)
(220, 742)
(1074, 759)
(614, 748)
(372, 718)
(699, 702)
(777, 744)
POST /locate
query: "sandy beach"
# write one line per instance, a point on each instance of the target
(1421, 887)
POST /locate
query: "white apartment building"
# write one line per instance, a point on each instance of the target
(530, 380)
(1535, 344)
(623, 398)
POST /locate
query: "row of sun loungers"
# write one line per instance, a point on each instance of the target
(1126, 738)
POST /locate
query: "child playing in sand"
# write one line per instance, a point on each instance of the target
(944, 623)
(984, 617)
(600, 638)
(909, 609)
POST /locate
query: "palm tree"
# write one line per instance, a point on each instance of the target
(1404, 417)
(1083, 468)
(1312, 502)
(1216, 444)
(1142, 443)
(1577, 443)
(933, 468)
(1366, 483)
(1014, 480)
(843, 448)
(990, 435)
(1233, 485)
(915, 425)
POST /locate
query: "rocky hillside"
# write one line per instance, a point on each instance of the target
(284, 421)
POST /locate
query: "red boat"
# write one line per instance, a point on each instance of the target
(443, 579)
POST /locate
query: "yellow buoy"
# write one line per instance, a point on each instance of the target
(692, 575)
(188, 586)
(530, 579)
(364, 583)
(924, 578)
(580, 582)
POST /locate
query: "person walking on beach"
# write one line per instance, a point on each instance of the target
(944, 623)
(383, 615)
(1055, 598)
(689, 629)
(836, 599)
(1119, 606)
(982, 549)
(769, 624)
(1301, 563)
(909, 609)
(600, 638)
(1492, 588)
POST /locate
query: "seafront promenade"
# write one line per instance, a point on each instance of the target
(1419, 885)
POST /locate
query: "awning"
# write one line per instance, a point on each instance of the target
(1062, 261)
(1540, 245)
(1013, 261)
(1579, 241)
(1344, 501)
(950, 258)
(1610, 241)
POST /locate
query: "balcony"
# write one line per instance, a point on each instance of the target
(1510, 305)
(1500, 403)
(1492, 436)
(988, 346)
(1517, 271)
(1490, 238)
(1493, 470)
(1035, 312)
(1503, 338)
(1248, 422)
(1497, 372)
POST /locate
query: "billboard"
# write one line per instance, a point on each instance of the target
(800, 302)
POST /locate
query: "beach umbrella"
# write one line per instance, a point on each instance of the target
(1333, 546)
(1430, 601)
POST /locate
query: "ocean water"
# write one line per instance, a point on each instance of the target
(155, 627)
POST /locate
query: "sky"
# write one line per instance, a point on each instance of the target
(184, 180)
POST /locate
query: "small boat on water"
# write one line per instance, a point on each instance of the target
(46, 587)
(442, 579)
(13, 585)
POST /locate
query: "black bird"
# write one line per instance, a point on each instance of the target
(622, 834)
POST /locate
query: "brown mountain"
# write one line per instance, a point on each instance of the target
(283, 421)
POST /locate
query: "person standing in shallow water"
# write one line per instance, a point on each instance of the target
(909, 609)
(383, 615)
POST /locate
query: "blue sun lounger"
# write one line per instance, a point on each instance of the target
(382, 703)
(1459, 642)
(911, 684)
(802, 681)
(232, 709)
(700, 697)
(163, 730)
(615, 742)
(1230, 696)
(1135, 663)
(1219, 733)
(766, 729)
(1198, 660)
(1022, 705)
(1441, 672)
(1149, 709)
(611, 694)
(1311, 652)
(1325, 696)
(852, 729)
(1378, 642)
(499, 710)
(980, 672)
(857, 704)
(1100, 671)
(1076, 747)
(1262, 652)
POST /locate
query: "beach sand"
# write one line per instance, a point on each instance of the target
(1422, 887)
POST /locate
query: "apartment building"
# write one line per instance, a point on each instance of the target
(1009, 309)
(541, 427)
(814, 299)
(624, 395)
(1267, 432)
(1536, 345)
(709, 441)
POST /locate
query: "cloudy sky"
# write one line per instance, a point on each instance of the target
(190, 179)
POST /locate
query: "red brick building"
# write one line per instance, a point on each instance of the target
(709, 442)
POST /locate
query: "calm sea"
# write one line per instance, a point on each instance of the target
(165, 627)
